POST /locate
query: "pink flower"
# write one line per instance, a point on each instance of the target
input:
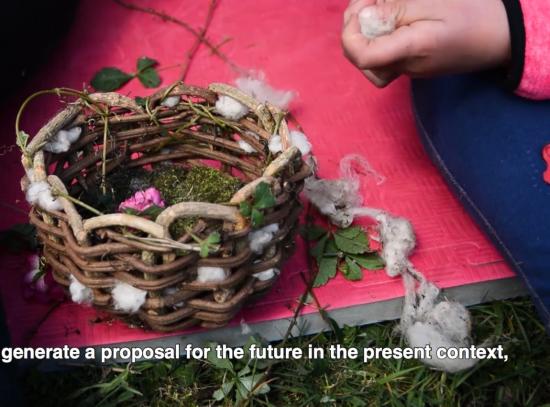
(143, 200)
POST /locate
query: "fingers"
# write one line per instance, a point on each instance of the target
(380, 79)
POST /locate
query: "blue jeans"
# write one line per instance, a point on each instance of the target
(488, 144)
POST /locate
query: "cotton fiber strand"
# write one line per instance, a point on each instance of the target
(373, 24)
(63, 139)
(230, 108)
(266, 274)
(245, 328)
(79, 292)
(259, 239)
(127, 298)
(39, 193)
(211, 274)
(398, 241)
(256, 87)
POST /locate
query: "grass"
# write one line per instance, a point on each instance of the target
(523, 380)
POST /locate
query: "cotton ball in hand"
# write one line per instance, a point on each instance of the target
(230, 108)
(79, 292)
(398, 241)
(373, 24)
(39, 193)
(259, 239)
(211, 274)
(127, 298)
(170, 101)
(266, 274)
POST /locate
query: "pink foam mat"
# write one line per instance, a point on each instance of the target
(297, 44)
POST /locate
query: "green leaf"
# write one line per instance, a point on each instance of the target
(352, 271)
(257, 218)
(149, 78)
(371, 261)
(213, 238)
(263, 198)
(22, 139)
(331, 250)
(141, 101)
(219, 363)
(204, 250)
(109, 79)
(144, 63)
(223, 391)
(39, 275)
(319, 249)
(352, 240)
(327, 270)
(245, 208)
(314, 232)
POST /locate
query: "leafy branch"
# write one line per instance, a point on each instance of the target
(346, 250)
(262, 199)
(111, 78)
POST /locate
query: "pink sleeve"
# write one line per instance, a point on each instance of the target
(535, 79)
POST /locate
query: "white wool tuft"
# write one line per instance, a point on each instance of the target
(296, 139)
(299, 140)
(373, 24)
(63, 139)
(398, 241)
(259, 239)
(245, 146)
(34, 263)
(275, 145)
(211, 274)
(266, 274)
(171, 101)
(256, 86)
(230, 108)
(172, 291)
(421, 334)
(79, 292)
(127, 298)
(245, 328)
(39, 193)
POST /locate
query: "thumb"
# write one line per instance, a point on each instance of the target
(384, 18)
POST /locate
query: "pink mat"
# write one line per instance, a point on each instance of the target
(297, 44)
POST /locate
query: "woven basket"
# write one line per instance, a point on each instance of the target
(97, 252)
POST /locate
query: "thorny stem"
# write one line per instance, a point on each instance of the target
(167, 17)
(191, 53)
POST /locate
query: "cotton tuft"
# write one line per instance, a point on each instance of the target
(245, 146)
(230, 108)
(63, 139)
(127, 298)
(266, 274)
(296, 139)
(211, 274)
(39, 193)
(259, 239)
(79, 292)
(171, 101)
(256, 87)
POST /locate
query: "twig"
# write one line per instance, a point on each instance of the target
(191, 53)
(167, 17)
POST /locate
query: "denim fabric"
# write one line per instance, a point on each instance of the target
(488, 145)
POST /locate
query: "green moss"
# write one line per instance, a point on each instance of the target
(198, 184)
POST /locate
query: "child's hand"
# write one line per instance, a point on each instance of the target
(431, 37)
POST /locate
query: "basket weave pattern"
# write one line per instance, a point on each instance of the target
(97, 252)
